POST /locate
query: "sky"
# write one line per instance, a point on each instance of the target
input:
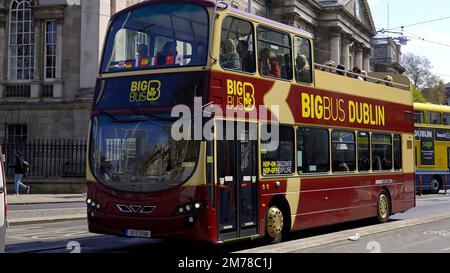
(408, 12)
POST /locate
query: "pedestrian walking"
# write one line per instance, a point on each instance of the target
(20, 169)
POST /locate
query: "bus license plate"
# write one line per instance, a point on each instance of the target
(138, 233)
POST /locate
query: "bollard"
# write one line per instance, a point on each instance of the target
(420, 185)
(445, 183)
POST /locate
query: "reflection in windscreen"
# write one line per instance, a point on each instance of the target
(140, 156)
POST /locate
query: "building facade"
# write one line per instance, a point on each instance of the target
(50, 49)
(387, 55)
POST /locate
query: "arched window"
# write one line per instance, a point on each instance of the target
(21, 40)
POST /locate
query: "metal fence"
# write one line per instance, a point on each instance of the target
(49, 157)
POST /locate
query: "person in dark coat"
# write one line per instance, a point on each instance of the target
(19, 172)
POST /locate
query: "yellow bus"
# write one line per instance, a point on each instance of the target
(432, 146)
(344, 150)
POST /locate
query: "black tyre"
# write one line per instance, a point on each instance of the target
(383, 207)
(274, 225)
(434, 185)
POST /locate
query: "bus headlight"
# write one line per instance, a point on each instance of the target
(192, 207)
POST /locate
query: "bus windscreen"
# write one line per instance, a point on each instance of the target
(157, 36)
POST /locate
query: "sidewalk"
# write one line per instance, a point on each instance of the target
(48, 215)
(25, 199)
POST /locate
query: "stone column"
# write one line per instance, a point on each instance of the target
(35, 85)
(335, 45)
(93, 31)
(58, 84)
(345, 54)
(3, 50)
(366, 59)
(359, 57)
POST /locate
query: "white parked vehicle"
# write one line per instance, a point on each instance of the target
(3, 208)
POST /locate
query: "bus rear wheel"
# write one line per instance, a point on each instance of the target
(274, 225)
(383, 207)
(434, 185)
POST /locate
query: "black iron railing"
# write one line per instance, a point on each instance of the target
(49, 157)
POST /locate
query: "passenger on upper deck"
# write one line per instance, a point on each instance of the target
(230, 58)
(329, 67)
(357, 74)
(169, 49)
(389, 79)
(341, 70)
(199, 55)
(364, 75)
(247, 58)
(268, 64)
(302, 69)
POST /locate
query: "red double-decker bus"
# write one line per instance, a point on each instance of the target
(344, 149)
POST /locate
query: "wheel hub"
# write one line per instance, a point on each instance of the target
(274, 222)
(383, 206)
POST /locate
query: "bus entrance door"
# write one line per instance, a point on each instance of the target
(237, 171)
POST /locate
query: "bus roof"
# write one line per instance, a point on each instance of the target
(205, 3)
(269, 22)
(431, 107)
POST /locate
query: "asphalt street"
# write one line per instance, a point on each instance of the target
(73, 236)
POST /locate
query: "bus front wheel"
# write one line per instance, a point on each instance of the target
(274, 225)
(383, 207)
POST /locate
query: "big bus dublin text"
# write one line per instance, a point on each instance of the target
(343, 146)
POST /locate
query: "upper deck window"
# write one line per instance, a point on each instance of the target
(434, 118)
(275, 59)
(419, 117)
(302, 65)
(157, 36)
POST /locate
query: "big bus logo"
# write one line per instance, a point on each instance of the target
(141, 91)
(240, 95)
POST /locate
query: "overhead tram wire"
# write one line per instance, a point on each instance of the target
(422, 23)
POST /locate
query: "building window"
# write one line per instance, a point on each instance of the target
(281, 160)
(21, 41)
(16, 133)
(313, 150)
(50, 49)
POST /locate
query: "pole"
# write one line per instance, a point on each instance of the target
(249, 7)
(445, 183)
(420, 185)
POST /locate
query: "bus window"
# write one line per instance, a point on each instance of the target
(419, 117)
(397, 152)
(434, 118)
(381, 152)
(363, 152)
(446, 118)
(160, 35)
(237, 46)
(281, 160)
(343, 151)
(303, 72)
(313, 150)
(274, 49)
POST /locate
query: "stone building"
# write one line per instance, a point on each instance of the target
(343, 29)
(49, 53)
(386, 55)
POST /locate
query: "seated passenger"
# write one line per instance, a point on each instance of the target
(268, 64)
(169, 50)
(389, 79)
(364, 75)
(357, 73)
(230, 58)
(302, 69)
(199, 55)
(341, 70)
(329, 65)
(281, 62)
(247, 58)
